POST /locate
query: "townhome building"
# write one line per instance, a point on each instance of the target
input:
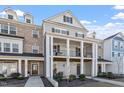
(21, 45)
(68, 49)
(114, 51)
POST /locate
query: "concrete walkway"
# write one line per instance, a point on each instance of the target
(110, 81)
(34, 81)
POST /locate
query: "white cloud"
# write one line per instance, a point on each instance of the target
(106, 30)
(94, 21)
(85, 22)
(119, 7)
(19, 12)
(118, 16)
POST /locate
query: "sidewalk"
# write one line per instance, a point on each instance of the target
(34, 81)
(110, 81)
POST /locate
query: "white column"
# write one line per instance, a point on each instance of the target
(82, 59)
(8, 28)
(93, 60)
(102, 67)
(19, 66)
(47, 56)
(51, 75)
(26, 67)
(68, 60)
(96, 59)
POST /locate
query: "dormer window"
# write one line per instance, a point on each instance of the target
(67, 19)
(28, 21)
(10, 16)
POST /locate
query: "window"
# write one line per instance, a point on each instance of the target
(113, 54)
(115, 44)
(6, 47)
(10, 16)
(35, 34)
(28, 21)
(13, 30)
(0, 47)
(121, 45)
(67, 19)
(35, 49)
(4, 29)
(79, 35)
(15, 48)
(65, 32)
(118, 54)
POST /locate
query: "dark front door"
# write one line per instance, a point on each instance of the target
(78, 69)
(34, 69)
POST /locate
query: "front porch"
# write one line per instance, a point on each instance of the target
(25, 66)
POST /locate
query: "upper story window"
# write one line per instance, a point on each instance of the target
(65, 32)
(13, 30)
(6, 47)
(113, 54)
(79, 35)
(115, 44)
(28, 21)
(10, 16)
(4, 29)
(15, 48)
(35, 33)
(121, 45)
(118, 54)
(0, 47)
(67, 19)
(35, 49)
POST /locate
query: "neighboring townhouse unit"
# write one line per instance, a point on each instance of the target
(21, 45)
(67, 48)
(114, 51)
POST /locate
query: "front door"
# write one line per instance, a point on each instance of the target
(78, 69)
(34, 69)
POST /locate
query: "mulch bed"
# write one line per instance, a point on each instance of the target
(74, 83)
(46, 82)
(13, 82)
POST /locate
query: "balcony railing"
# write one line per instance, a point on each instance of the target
(60, 53)
(75, 54)
(88, 55)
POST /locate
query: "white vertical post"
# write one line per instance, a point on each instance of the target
(96, 59)
(47, 56)
(51, 57)
(68, 56)
(102, 67)
(19, 66)
(93, 55)
(82, 59)
(8, 28)
(26, 67)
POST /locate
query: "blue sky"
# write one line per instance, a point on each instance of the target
(100, 18)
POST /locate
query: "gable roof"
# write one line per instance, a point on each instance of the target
(68, 11)
(113, 36)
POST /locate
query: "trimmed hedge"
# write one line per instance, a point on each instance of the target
(72, 77)
(82, 77)
(15, 75)
(59, 76)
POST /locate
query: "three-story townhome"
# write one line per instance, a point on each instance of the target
(68, 50)
(21, 45)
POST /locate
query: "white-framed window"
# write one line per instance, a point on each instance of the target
(62, 31)
(113, 54)
(6, 47)
(28, 20)
(15, 48)
(10, 16)
(67, 19)
(115, 44)
(35, 49)
(0, 47)
(12, 30)
(79, 35)
(121, 45)
(4, 29)
(35, 34)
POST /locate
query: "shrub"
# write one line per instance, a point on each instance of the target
(59, 76)
(110, 75)
(15, 75)
(20, 78)
(3, 78)
(82, 77)
(102, 74)
(1, 75)
(72, 77)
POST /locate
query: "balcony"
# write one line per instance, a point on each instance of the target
(75, 54)
(60, 53)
